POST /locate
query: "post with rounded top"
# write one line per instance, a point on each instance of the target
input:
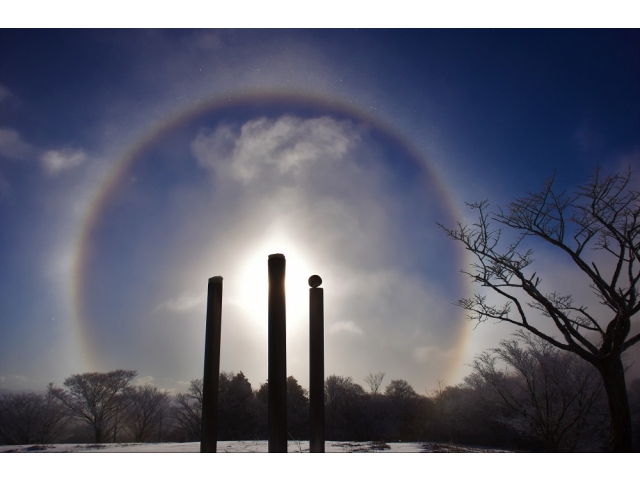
(277, 392)
(316, 365)
(209, 422)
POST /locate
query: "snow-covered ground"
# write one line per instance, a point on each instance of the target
(260, 446)
(160, 461)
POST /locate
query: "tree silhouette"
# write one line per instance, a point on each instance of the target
(400, 390)
(237, 408)
(187, 411)
(374, 380)
(344, 400)
(406, 408)
(597, 227)
(297, 410)
(31, 418)
(147, 408)
(95, 399)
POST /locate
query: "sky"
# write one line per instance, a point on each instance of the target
(135, 164)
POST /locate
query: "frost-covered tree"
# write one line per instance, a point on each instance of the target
(597, 227)
(550, 394)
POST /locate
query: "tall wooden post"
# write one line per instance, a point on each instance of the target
(316, 365)
(209, 426)
(277, 393)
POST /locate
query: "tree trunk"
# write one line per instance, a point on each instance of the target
(99, 434)
(612, 372)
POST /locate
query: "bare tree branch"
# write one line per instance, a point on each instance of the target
(601, 215)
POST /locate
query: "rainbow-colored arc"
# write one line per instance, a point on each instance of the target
(136, 150)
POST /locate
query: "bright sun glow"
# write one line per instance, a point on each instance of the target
(251, 291)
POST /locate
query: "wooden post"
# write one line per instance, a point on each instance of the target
(277, 393)
(209, 426)
(316, 365)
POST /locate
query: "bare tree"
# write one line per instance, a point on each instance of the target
(441, 421)
(400, 389)
(146, 410)
(187, 411)
(95, 399)
(601, 217)
(339, 390)
(550, 393)
(343, 406)
(55, 418)
(237, 410)
(441, 386)
(452, 414)
(374, 380)
(31, 418)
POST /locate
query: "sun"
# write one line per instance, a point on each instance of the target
(250, 293)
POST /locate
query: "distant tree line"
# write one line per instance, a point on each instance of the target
(524, 395)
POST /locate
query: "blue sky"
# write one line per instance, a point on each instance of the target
(135, 164)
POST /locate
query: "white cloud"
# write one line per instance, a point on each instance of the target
(12, 146)
(286, 146)
(2, 379)
(183, 303)
(214, 149)
(56, 161)
(346, 326)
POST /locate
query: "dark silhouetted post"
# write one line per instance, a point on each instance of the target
(277, 396)
(209, 426)
(316, 365)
